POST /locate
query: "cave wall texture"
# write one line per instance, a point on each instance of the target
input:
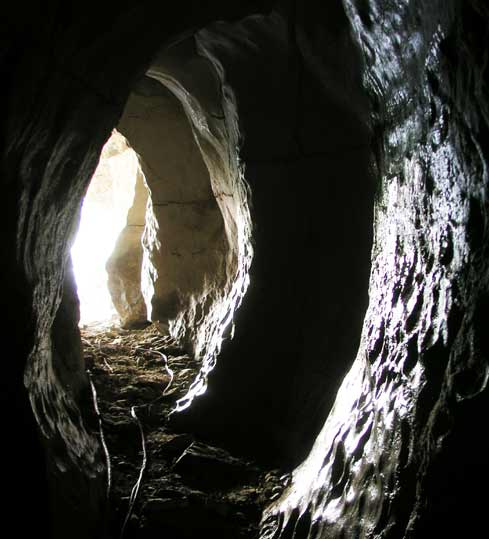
(305, 147)
(331, 96)
(66, 75)
(402, 453)
(125, 262)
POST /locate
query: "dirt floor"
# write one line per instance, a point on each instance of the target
(166, 484)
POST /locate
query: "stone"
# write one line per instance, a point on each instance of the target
(125, 262)
(184, 241)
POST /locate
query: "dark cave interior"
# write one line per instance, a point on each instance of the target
(316, 172)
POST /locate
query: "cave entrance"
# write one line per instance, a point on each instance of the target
(103, 217)
(177, 266)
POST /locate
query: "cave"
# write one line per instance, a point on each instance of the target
(308, 231)
(108, 216)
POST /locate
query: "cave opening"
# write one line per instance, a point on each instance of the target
(175, 263)
(103, 216)
(196, 258)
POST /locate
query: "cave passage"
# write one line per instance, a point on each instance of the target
(161, 263)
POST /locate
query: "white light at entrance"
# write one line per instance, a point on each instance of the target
(104, 215)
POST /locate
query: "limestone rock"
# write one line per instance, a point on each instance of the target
(204, 467)
(124, 264)
(66, 74)
(185, 246)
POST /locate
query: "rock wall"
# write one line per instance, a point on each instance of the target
(307, 155)
(404, 445)
(125, 263)
(184, 244)
(190, 259)
(197, 78)
(66, 74)
(402, 453)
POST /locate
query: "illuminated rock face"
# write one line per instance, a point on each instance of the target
(56, 123)
(185, 247)
(401, 453)
(186, 251)
(124, 265)
(190, 256)
(197, 79)
(405, 445)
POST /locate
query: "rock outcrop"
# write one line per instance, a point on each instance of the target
(125, 262)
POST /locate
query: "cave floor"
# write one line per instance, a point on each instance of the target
(187, 487)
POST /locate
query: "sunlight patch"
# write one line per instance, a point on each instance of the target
(104, 215)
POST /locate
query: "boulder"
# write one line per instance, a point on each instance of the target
(124, 265)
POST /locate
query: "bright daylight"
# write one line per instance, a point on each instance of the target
(104, 214)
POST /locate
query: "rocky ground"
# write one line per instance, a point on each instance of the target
(165, 483)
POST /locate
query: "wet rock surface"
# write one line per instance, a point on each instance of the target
(185, 254)
(400, 455)
(187, 487)
(124, 264)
